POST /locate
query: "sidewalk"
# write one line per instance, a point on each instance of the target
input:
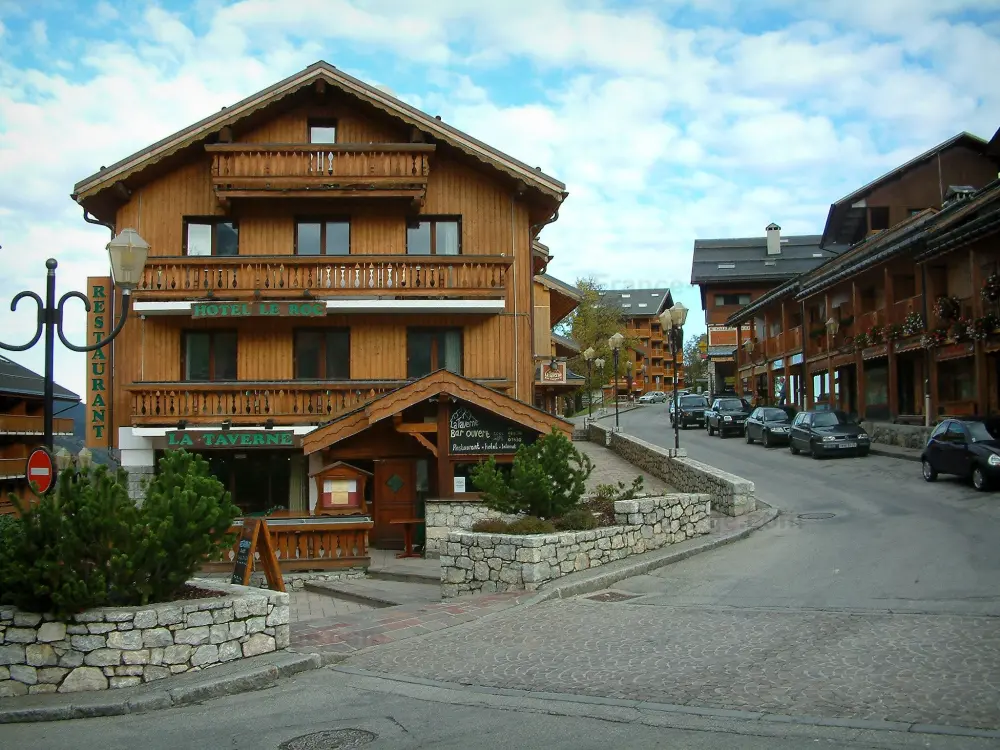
(895, 451)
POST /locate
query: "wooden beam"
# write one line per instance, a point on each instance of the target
(412, 428)
(320, 86)
(425, 442)
(446, 487)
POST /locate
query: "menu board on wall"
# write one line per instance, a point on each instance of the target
(477, 433)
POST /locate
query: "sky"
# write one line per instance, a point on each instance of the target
(668, 120)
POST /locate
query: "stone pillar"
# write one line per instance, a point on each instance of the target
(138, 458)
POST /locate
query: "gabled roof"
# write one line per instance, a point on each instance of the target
(839, 210)
(566, 342)
(965, 221)
(320, 71)
(567, 297)
(993, 149)
(746, 259)
(435, 384)
(18, 380)
(638, 303)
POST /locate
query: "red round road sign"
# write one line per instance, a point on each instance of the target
(41, 470)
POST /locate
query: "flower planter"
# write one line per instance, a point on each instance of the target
(115, 647)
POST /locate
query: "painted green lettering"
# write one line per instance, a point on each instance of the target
(98, 307)
(98, 354)
(97, 384)
(98, 400)
(212, 309)
(98, 292)
(97, 368)
(98, 415)
(258, 440)
(273, 439)
(286, 439)
(98, 430)
(99, 321)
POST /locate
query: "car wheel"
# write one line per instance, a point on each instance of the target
(814, 451)
(749, 439)
(792, 449)
(766, 439)
(979, 480)
(722, 432)
(929, 472)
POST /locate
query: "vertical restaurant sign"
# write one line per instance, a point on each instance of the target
(98, 362)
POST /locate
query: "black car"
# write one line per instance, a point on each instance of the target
(690, 409)
(768, 424)
(727, 415)
(968, 448)
(827, 433)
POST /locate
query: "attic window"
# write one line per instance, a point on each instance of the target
(654, 294)
(626, 296)
(322, 131)
(627, 305)
(727, 265)
(817, 255)
(643, 304)
(770, 263)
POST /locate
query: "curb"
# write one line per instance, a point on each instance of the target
(147, 698)
(891, 454)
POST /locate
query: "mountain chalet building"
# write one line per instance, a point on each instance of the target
(649, 361)
(339, 305)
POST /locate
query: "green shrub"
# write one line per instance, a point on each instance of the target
(547, 479)
(490, 526)
(578, 519)
(620, 492)
(603, 507)
(530, 525)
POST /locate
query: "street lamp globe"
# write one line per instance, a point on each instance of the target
(599, 363)
(85, 458)
(679, 314)
(128, 253)
(832, 326)
(615, 342)
(589, 353)
(666, 320)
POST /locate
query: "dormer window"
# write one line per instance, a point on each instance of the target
(626, 296)
(323, 131)
(643, 304)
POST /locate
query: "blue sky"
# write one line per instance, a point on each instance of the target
(668, 120)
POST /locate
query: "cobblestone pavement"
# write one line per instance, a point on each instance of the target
(305, 605)
(609, 468)
(942, 669)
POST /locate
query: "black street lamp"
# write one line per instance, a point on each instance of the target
(615, 342)
(589, 356)
(599, 364)
(128, 253)
(673, 321)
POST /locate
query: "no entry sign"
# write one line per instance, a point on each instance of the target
(41, 470)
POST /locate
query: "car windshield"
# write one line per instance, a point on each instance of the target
(981, 431)
(730, 404)
(775, 415)
(830, 419)
(692, 401)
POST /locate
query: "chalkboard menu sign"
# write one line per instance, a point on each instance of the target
(255, 533)
(477, 433)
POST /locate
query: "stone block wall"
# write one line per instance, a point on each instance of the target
(441, 517)
(117, 647)
(903, 435)
(731, 495)
(485, 563)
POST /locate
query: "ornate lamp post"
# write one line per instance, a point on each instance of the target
(599, 364)
(128, 253)
(673, 321)
(588, 355)
(615, 342)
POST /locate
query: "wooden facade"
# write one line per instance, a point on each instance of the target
(322, 150)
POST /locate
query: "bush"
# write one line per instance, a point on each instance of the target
(603, 507)
(490, 526)
(530, 525)
(578, 519)
(615, 493)
(88, 545)
(547, 479)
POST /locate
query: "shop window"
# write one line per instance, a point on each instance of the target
(322, 131)
(323, 354)
(732, 300)
(207, 236)
(956, 381)
(209, 355)
(322, 237)
(434, 237)
(876, 385)
(430, 349)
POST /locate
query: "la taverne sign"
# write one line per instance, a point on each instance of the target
(258, 310)
(230, 439)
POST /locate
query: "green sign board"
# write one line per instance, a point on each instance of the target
(258, 310)
(230, 439)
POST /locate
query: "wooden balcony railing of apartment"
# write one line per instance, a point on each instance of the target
(12, 468)
(791, 340)
(900, 310)
(313, 546)
(247, 276)
(866, 320)
(245, 170)
(23, 424)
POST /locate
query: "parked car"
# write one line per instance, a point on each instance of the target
(727, 415)
(827, 433)
(768, 424)
(690, 409)
(653, 397)
(967, 448)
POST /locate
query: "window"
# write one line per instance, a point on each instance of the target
(211, 237)
(322, 131)
(323, 354)
(434, 237)
(731, 300)
(209, 355)
(322, 237)
(878, 218)
(956, 434)
(626, 296)
(430, 349)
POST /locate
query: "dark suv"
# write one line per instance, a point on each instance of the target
(690, 409)
(727, 415)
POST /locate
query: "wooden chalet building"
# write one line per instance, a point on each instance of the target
(734, 273)
(862, 332)
(337, 309)
(554, 380)
(648, 361)
(22, 428)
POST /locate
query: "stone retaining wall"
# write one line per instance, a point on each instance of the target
(731, 495)
(115, 647)
(485, 563)
(904, 435)
(441, 517)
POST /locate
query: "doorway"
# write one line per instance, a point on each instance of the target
(394, 497)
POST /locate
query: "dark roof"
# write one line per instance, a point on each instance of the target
(562, 286)
(638, 303)
(19, 380)
(841, 213)
(566, 341)
(721, 351)
(994, 146)
(746, 259)
(964, 221)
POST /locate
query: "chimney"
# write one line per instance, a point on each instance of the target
(773, 239)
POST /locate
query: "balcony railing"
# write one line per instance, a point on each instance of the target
(866, 320)
(247, 170)
(903, 308)
(274, 276)
(12, 468)
(253, 402)
(22, 424)
(791, 340)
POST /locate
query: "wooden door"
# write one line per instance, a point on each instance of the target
(394, 496)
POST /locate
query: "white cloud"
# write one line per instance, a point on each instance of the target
(38, 33)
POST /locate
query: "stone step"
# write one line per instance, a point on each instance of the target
(378, 593)
(405, 576)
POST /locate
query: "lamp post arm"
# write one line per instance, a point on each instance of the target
(41, 321)
(126, 304)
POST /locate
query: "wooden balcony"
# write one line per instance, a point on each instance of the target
(245, 277)
(900, 310)
(22, 424)
(791, 340)
(12, 468)
(311, 170)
